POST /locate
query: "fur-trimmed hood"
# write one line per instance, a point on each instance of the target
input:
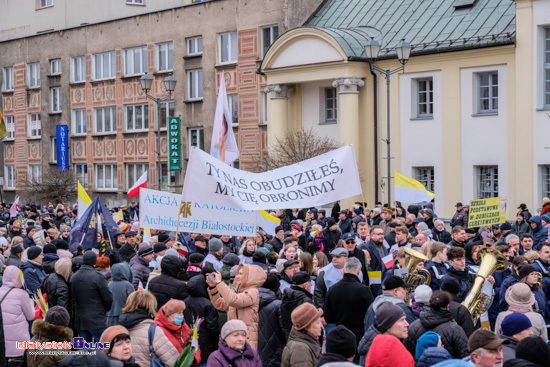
(51, 331)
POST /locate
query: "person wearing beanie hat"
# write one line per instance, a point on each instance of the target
(229, 261)
(56, 285)
(28, 241)
(528, 274)
(422, 295)
(297, 294)
(215, 254)
(436, 317)
(302, 348)
(534, 350)
(277, 241)
(120, 346)
(515, 327)
(50, 258)
(16, 253)
(520, 299)
(32, 269)
(460, 313)
(170, 319)
(167, 286)
(233, 349)
(439, 233)
(428, 340)
(65, 232)
(341, 346)
(242, 303)
(140, 266)
(54, 328)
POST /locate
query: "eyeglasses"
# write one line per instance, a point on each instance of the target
(350, 241)
(377, 234)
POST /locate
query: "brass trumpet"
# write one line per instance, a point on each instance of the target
(415, 277)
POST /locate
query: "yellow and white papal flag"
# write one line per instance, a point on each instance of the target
(267, 222)
(84, 200)
(408, 190)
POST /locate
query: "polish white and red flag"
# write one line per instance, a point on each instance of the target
(141, 182)
(13, 208)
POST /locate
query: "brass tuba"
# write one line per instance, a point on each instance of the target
(415, 277)
(491, 261)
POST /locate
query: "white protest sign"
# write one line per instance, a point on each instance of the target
(159, 210)
(323, 179)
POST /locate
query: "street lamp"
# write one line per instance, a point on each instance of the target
(169, 84)
(403, 50)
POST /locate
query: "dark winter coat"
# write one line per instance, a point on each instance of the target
(121, 287)
(33, 274)
(437, 272)
(331, 239)
(509, 350)
(345, 226)
(91, 298)
(540, 234)
(441, 322)
(271, 338)
(301, 350)
(14, 260)
(276, 243)
(198, 305)
(507, 283)
(441, 236)
(331, 357)
(364, 345)
(58, 291)
(46, 332)
(226, 356)
(293, 297)
(462, 316)
(347, 304)
(48, 263)
(141, 271)
(432, 356)
(465, 278)
(460, 218)
(28, 242)
(521, 228)
(126, 252)
(166, 285)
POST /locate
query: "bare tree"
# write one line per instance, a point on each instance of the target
(294, 147)
(55, 186)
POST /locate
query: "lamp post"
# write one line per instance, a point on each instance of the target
(169, 84)
(403, 50)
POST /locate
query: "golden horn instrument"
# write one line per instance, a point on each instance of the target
(491, 261)
(415, 277)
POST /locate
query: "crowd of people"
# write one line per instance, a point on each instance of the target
(325, 288)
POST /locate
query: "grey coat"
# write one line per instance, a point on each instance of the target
(121, 287)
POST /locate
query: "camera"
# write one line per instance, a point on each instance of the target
(211, 277)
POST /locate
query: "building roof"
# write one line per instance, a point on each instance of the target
(430, 26)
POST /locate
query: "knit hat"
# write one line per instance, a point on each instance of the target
(173, 306)
(259, 257)
(163, 238)
(418, 220)
(519, 297)
(159, 247)
(357, 211)
(451, 285)
(65, 228)
(525, 269)
(422, 293)
(427, 340)
(515, 323)
(304, 315)
(33, 252)
(145, 250)
(57, 315)
(278, 228)
(214, 245)
(61, 244)
(50, 249)
(172, 252)
(272, 282)
(534, 349)
(17, 249)
(29, 228)
(386, 315)
(429, 212)
(423, 226)
(300, 278)
(331, 222)
(438, 222)
(231, 326)
(342, 341)
(89, 258)
(231, 259)
(194, 258)
(111, 333)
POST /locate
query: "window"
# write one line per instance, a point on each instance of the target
(227, 43)
(134, 2)
(269, 34)
(33, 75)
(35, 173)
(105, 120)
(164, 56)
(134, 172)
(45, 3)
(425, 175)
(35, 125)
(54, 149)
(487, 92)
(194, 84)
(135, 61)
(545, 181)
(487, 181)
(55, 98)
(166, 111)
(233, 103)
(7, 80)
(9, 173)
(547, 67)
(55, 67)
(194, 46)
(196, 137)
(331, 105)
(78, 120)
(81, 171)
(106, 177)
(425, 91)
(137, 117)
(264, 107)
(78, 69)
(236, 164)
(10, 127)
(103, 66)
(168, 178)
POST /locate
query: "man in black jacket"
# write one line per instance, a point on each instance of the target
(166, 286)
(340, 346)
(348, 300)
(271, 338)
(298, 293)
(91, 298)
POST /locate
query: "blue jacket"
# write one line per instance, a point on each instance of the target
(432, 356)
(499, 281)
(465, 278)
(376, 263)
(540, 303)
(507, 283)
(33, 275)
(437, 272)
(544, 268)
(540, 234)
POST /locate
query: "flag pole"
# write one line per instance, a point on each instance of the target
(110, 242)
(178, 224)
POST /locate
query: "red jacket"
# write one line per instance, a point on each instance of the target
(177, 335)
(387, 350)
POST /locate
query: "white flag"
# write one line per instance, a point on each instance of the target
(224, 146)
(13, 208)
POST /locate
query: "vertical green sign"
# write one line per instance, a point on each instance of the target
(174, 144)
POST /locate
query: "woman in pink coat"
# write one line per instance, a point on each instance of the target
(17, 308)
